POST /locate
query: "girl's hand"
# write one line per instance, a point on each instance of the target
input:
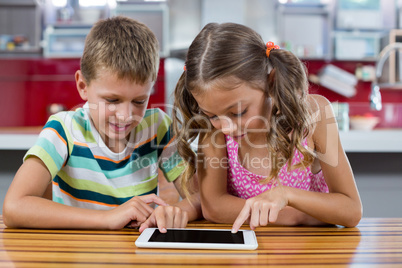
(262, 209)
(133, 212)
(166, 217)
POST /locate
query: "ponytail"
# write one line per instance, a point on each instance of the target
(290, 118)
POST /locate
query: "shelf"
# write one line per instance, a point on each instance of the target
(21, 50)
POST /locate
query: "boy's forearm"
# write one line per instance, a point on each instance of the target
(37, 212)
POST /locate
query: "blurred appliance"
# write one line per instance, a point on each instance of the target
(341, 112)
(154, 15)
(298, 21)
(67, 39)
(366, 14)
(357, 45)
(338, 80)
(358, 14)
(20, 20)
(64, 42)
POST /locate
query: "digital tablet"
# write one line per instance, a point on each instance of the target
(197, 239)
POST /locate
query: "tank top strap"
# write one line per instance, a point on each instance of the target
(232, 147)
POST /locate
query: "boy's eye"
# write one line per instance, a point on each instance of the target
(139, 102)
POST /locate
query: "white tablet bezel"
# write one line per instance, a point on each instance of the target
(250, 241)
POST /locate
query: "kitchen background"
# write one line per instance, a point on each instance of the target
(348, 46)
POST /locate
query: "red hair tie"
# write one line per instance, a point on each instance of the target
(270, 46)
(184, 68)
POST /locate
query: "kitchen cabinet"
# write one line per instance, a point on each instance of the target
(64, 42)
(29, 86)
(20, 27)
(337, 29)
(361, 28)
(66, 39)
(314, 21)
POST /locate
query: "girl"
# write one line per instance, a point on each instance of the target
(268, 151)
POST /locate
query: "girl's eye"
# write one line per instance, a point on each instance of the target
(111, 100)
(210, 117)
(240, 114)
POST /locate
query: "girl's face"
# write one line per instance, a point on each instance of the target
(237, 112)
(116, 106)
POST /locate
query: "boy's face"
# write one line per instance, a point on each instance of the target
(116, 106)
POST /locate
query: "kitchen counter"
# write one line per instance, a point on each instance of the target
(375, 141)
(18, 138)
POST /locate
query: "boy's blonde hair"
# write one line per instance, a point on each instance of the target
(123, 46)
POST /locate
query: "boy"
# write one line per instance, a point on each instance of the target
(102, 160)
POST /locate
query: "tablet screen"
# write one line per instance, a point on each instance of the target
(197, 236)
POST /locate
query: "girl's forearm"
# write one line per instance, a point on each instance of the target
(192, 207)
(333, 208)
(290, 216)
(222, 209)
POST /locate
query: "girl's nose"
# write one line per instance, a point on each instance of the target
(227, 126)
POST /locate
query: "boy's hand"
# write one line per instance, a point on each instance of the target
(166, 217)
(262, 209)
(133, 212)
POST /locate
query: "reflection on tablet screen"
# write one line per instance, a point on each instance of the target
(194, 236)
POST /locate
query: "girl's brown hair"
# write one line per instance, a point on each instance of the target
(232, 50)
(123, 46)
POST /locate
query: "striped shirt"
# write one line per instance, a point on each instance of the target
(86, 173)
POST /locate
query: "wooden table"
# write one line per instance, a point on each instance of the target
(374, 243)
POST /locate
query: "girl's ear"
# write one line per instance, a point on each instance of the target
(81, 84)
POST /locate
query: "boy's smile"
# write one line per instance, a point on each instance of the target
(118, 128)
(116, 105)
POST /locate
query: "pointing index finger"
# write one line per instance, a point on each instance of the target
(243, 216)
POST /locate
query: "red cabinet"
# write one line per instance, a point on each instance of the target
(29, 86)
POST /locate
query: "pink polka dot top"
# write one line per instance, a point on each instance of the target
(244, 184)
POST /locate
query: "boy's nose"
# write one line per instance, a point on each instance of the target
(124, 111)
